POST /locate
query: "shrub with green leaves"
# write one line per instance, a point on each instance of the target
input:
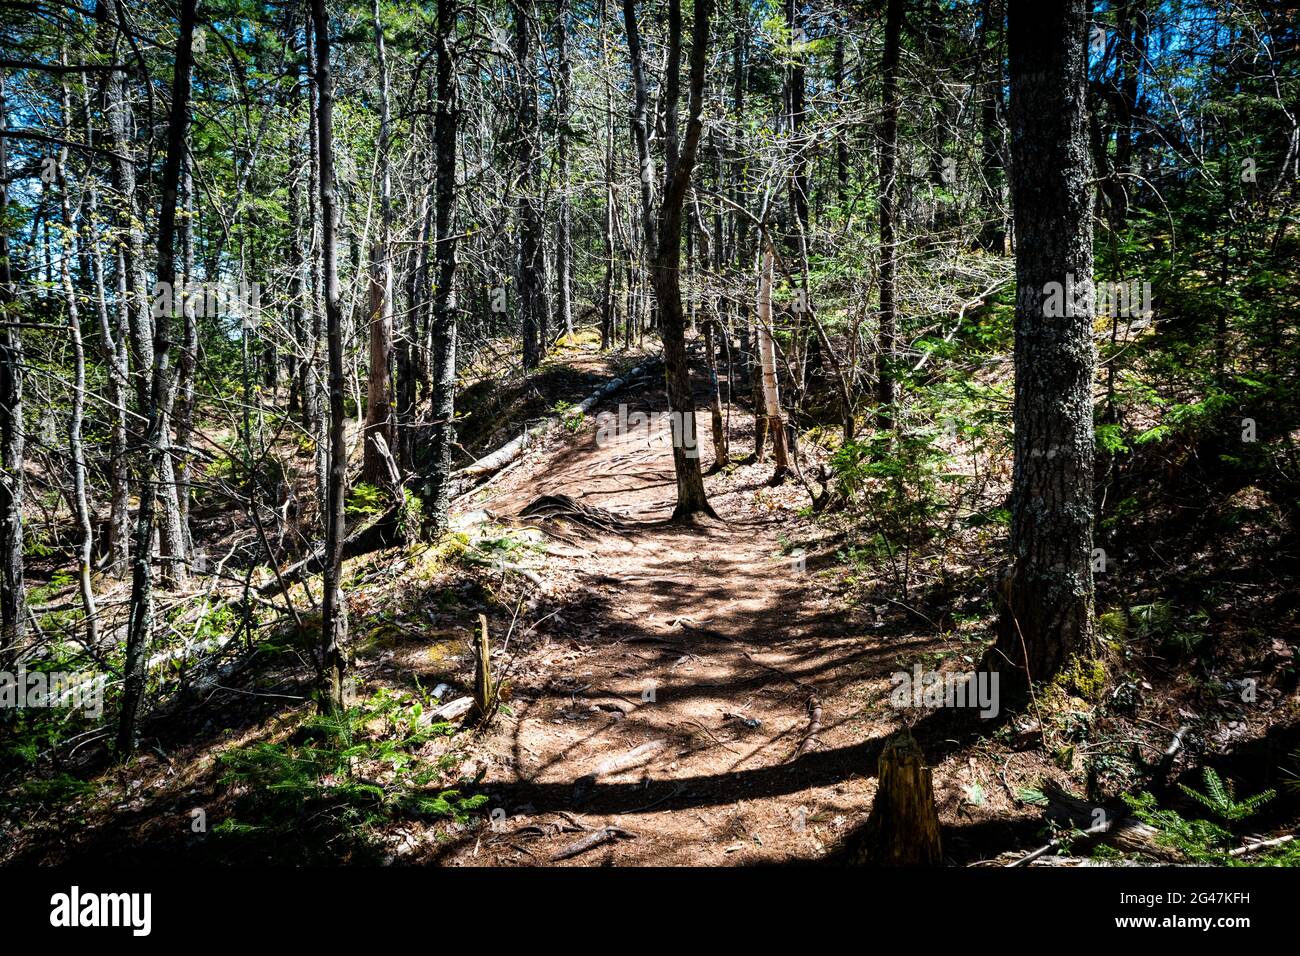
(1211, 841)
(365, 500)
(896, 482)
(570, 417)
(1220, 798)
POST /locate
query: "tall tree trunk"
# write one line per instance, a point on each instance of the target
(993, 232)
(532, 264)
(422, 317)
(140, 334)
(665, 269)
(334, 615)
(13, 597)
(117, 352)
(187, 361)
(161, 391)
(297, 368)
(305, 256)
(113, 351)
(131, 222)
(887, 348)
(133, 299)
(795, 82)
(319, 399)
(564, 219)
(1047, 612)
(76, 447)
(841, 136)
(641, 132)
(410, 352)
(437, 503)
(607, 310)
(379, 404)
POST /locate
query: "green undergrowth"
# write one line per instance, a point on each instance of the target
(353, 771)
(1211, 836)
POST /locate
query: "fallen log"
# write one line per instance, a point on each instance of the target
(1109, 824)
(448, 711)
(387, 530)
(1261, 845)
(466, 478)
(629, 761)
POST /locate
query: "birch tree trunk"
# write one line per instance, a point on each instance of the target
(116, 379)
(76, 447)
(767, 360)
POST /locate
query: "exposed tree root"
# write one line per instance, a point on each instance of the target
(563, 507)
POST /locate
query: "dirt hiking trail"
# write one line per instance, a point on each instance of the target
(694, 688)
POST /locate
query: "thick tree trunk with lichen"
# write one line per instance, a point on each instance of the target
(1047, 612)
(438, 488)
(334, 613)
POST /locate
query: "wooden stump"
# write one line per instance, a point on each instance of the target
(903, 828)
(485, 698)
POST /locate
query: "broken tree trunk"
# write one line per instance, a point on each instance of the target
(903, 828)
(720, 453)
(484, 692)
(767, 357)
